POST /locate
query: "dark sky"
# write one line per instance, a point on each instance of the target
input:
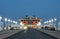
(16, 9)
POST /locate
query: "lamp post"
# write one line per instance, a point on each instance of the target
(55, 19)
(5, 23)
(9, 24)
(50, 21)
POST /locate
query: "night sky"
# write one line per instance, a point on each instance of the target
(15, 9)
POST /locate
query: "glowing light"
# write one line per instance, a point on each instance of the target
(25, 27)
(39, 24)
(55, 19)
(44, 22)
(5, 19)
(0, 17)
(21, 24)
(49, 21)
(9, 20)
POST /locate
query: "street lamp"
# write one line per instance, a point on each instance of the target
(55, 19)
(9, 20)
(49, 21)
(39, 24)
(5, 19)
(44, 22)
(21, 24)
(6, 24)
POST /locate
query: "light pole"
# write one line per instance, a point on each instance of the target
(5, 23)
(50, 22)
(9, 23)
(55, 19)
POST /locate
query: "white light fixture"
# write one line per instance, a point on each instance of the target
(55, 19)
(21, 24)
(9, 20)
(5, 19)
(39, 24)
(0, 17)
(44, 22)
(25, 27)
(49, 21)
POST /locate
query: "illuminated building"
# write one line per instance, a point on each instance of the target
(30, 22)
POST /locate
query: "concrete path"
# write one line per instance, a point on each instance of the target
(4, 34)
(30, 34)
(52, 33)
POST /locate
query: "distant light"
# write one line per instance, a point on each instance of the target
(0, 17)
(49, 21)
(25, 27)
(9, 20)
(44, 22)
(21, 24)
(39, 24)
(13, 21)
(5, 19)
(55, 19)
